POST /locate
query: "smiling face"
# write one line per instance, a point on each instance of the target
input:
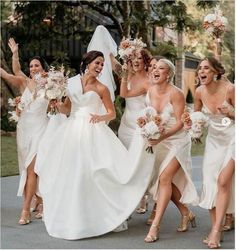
(137, 62)
(206, 72)
(152, 65)
(96, 66)
(160, 72)
(35, 67)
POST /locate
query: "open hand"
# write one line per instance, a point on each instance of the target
(95, 118)
(13, 45)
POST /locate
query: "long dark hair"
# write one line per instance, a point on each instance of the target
(42, 62)
(215, 64)
(146, 58)
(88, 58)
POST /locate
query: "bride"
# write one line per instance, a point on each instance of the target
(88, 183)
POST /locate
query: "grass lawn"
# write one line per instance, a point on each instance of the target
(9, 164)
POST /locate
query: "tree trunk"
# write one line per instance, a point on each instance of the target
(126, 18)
(180, 62)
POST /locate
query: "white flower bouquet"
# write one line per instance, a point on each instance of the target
(196, 122)
(128, 46)
(18, 106)
(151, 125)
(54, 85)
(216, 24)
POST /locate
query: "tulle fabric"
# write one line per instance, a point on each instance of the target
(89, 182)
(103, 41)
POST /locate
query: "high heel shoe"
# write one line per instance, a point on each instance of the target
(152, 216)
(143, 205)
(39, 215)
(206, 238)
(34, 204)
(186, 219)
(152, 238)
(213, 244)
(25, 218)
(229, 222)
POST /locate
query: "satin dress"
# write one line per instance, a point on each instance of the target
(89, 182)
(219, 150)
(31, 126)
(177, 146)
(129, 118)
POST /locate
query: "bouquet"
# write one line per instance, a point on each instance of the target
(151, 125)
(54, 86)
(128, 47)
(215, 24)
(195, 123)
(18, 106)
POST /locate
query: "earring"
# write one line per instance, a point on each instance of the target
(86, 71)
(197, 81)
(168, 79)
(215, 78)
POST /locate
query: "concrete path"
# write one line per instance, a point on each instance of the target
(34, 235)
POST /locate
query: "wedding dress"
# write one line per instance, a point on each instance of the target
(176, 146)
(219, 150)
(30, 129)
(89, 182)
(128, 123)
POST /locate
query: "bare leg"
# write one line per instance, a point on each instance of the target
(164, 195)
(175, 197)
(222, 201)
(29, 191)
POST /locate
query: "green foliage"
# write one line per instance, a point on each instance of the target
(114, 125)
(172, 14)
(203, 4)
(9, 163)
(166, 49)
(6, 125)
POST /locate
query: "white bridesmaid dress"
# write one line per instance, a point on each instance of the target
(176, 146)
(219, 149)
(128, 123)
(88, 182)
(30, 129)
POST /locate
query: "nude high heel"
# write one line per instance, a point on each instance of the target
(39, 215)
(25, 218)
(215, 244)
(143, 205)
(152, 216)
(229, 222)
(186, 219)
(152, 238)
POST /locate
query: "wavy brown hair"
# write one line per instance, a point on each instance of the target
(215, 65)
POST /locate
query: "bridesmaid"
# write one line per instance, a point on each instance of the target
(31, 126)
(215, 97)
(173, 159)
(133, 88)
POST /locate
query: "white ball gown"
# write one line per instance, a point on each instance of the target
(133, 106)
(30, 129)
(176, 146)
(88, 183)
(219, 150)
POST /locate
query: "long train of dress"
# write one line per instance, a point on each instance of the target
(88, 181)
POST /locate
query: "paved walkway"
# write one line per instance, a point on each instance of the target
(34, 235)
